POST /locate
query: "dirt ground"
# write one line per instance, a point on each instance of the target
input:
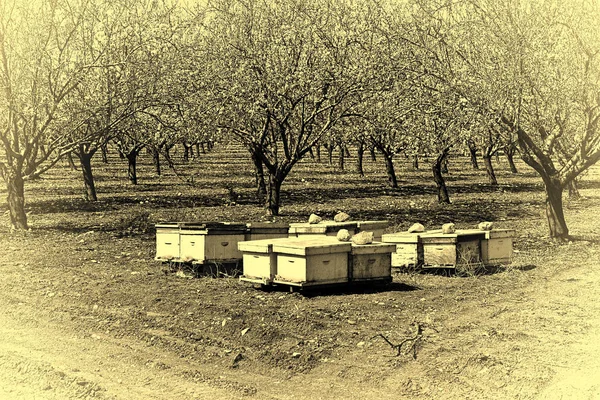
(87, 313)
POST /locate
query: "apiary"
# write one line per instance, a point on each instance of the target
(266, 230)
(259, 260)
(327, 228)
(307, 262)
(167, 241)
(371, 262)
(213, 241)
(377, 227)
(497, 247)
(452, 249)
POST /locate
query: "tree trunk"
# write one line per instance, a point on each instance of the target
(489, 169)
(473, 155)
(71, 162)
(415, 162)
(274, 196)
(554, 209)
(574, 190)
(444, 165)
(389, 168)
(346, 151)
(197, 149)
(510, 153)
(16, 200)
(440, 183)
(156, 160)
(259, 175)
(372, 153)
(85, 159)
(341, 157)
(329, 153)
(318, 150)
(132, 167)
(359, 159)
(186, 153)
(104, 149)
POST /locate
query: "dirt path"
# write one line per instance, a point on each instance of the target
(43, 359)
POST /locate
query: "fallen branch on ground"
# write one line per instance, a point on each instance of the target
(414, 341)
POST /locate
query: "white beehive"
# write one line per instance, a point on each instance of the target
(312, 261)
(409, 251)
(453, 249)
(167, 241)
(259, 260)
(497, 246)
(371, 261)
(211, 241)
(266, 230)
(324, 228)
(377, 227)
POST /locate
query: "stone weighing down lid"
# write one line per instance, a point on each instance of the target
(322, 227)
(373, 248)
(259, 246)
(309, 247)
(267, 227)
(493, 234)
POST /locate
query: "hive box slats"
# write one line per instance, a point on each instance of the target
(259, 260)
(371, 261)
(450, 250)
(167, 241)
(320, 261)
(497, 247)
(210, 241)
(409, 249)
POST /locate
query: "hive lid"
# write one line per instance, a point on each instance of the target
(307, 247)
(458, 236)
(268, 227)
(322, 227)
(259, 246)
(169, 225)
(366, 225)
(220, 226)
(401, 237)
(373, 248)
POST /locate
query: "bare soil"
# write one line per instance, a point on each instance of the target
(88, 314)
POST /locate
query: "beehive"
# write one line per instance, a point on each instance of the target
(325, 228)
(216, 241)
(451, 250)
(370, 261)
(497, 246)
(259, 260)
(266, 230)
(377, 227)
(409, 251)
(311, 261)
(167, 241)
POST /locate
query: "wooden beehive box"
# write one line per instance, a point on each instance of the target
(324, 228)
(451, 250)
(371, 262)
(167, 241)
(307, 262)
(497, 247)
(215, 241)
(377, 227)
(259, 260)
(266, 230)
(409, 251)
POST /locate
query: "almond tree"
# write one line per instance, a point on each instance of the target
(38, 74)
(286, 73)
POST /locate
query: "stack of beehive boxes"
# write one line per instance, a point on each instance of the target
(432, 249)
